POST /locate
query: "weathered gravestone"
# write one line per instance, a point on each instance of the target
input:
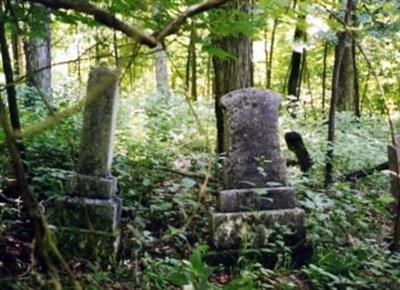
(394, 165)
(256, 200)
(91, 211)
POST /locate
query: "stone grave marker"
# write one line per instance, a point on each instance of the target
(91, 211)
(256, 197)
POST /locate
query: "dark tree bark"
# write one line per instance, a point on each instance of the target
(357, 105)
(9, 75)
(357, 174)
(191, 67)
(303, 69)
(324, 72)
(38, 59)
(271, 54)
(296, 60)
(231, 73)
(193, 62)
(339, 56)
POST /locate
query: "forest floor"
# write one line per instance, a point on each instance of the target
(161, 158)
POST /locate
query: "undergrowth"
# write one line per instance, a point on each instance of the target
(161, 156)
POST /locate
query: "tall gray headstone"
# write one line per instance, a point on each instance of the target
(99, 121)
(255, 196)
(394, 165)
(91, 204)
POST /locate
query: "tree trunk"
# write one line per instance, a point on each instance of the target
(231, 73)
(18, 54)
(161, 62)
(162, 70)
(296, 61)
(324, 70)
(9, 76)
(191, 67)
(208, 78)
(38, 61)
(193, 63)
(337, 71)
(115, 45)
(346, 91)
(357, 106)
(271, 53)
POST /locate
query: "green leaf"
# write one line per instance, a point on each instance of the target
(386, 199)
(259, 191)
(178, 278)
(188, 183)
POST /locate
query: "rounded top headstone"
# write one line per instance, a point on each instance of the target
(251, 96)
(253, 156)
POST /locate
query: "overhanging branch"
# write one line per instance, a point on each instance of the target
(100, 15)
(174, 25)
(108, 19)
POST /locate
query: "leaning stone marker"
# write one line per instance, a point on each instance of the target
(256, 199)
(91, 211)
(394, 165)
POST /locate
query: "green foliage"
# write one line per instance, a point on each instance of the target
(349, 226)
(194, 273)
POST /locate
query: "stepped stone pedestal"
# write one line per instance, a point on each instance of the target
(86, 220)
(256, 201)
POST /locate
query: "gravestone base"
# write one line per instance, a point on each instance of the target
(255, 229)
(91, 186)
(85, 227)
(235, 200)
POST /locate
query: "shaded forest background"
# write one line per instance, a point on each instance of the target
(334, 62)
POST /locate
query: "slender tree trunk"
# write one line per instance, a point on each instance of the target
(188, 64)
(38, 60)
(193, 63)
(208, 80)
(18, 54)
(9, 76)
(339, 61)
(357, 105)
(231, 73)
(266, 53)
(97, 56)
(115, 45)
(364, 95)
(271, 54)
(307, 76)
(302, 73)
(324, 71)
(78, 51)
(191, 67)
(296, 62)
(346, 92)
(161, 62)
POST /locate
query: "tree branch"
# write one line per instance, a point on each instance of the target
(174, 25)
(108, 19)
(100, 15)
